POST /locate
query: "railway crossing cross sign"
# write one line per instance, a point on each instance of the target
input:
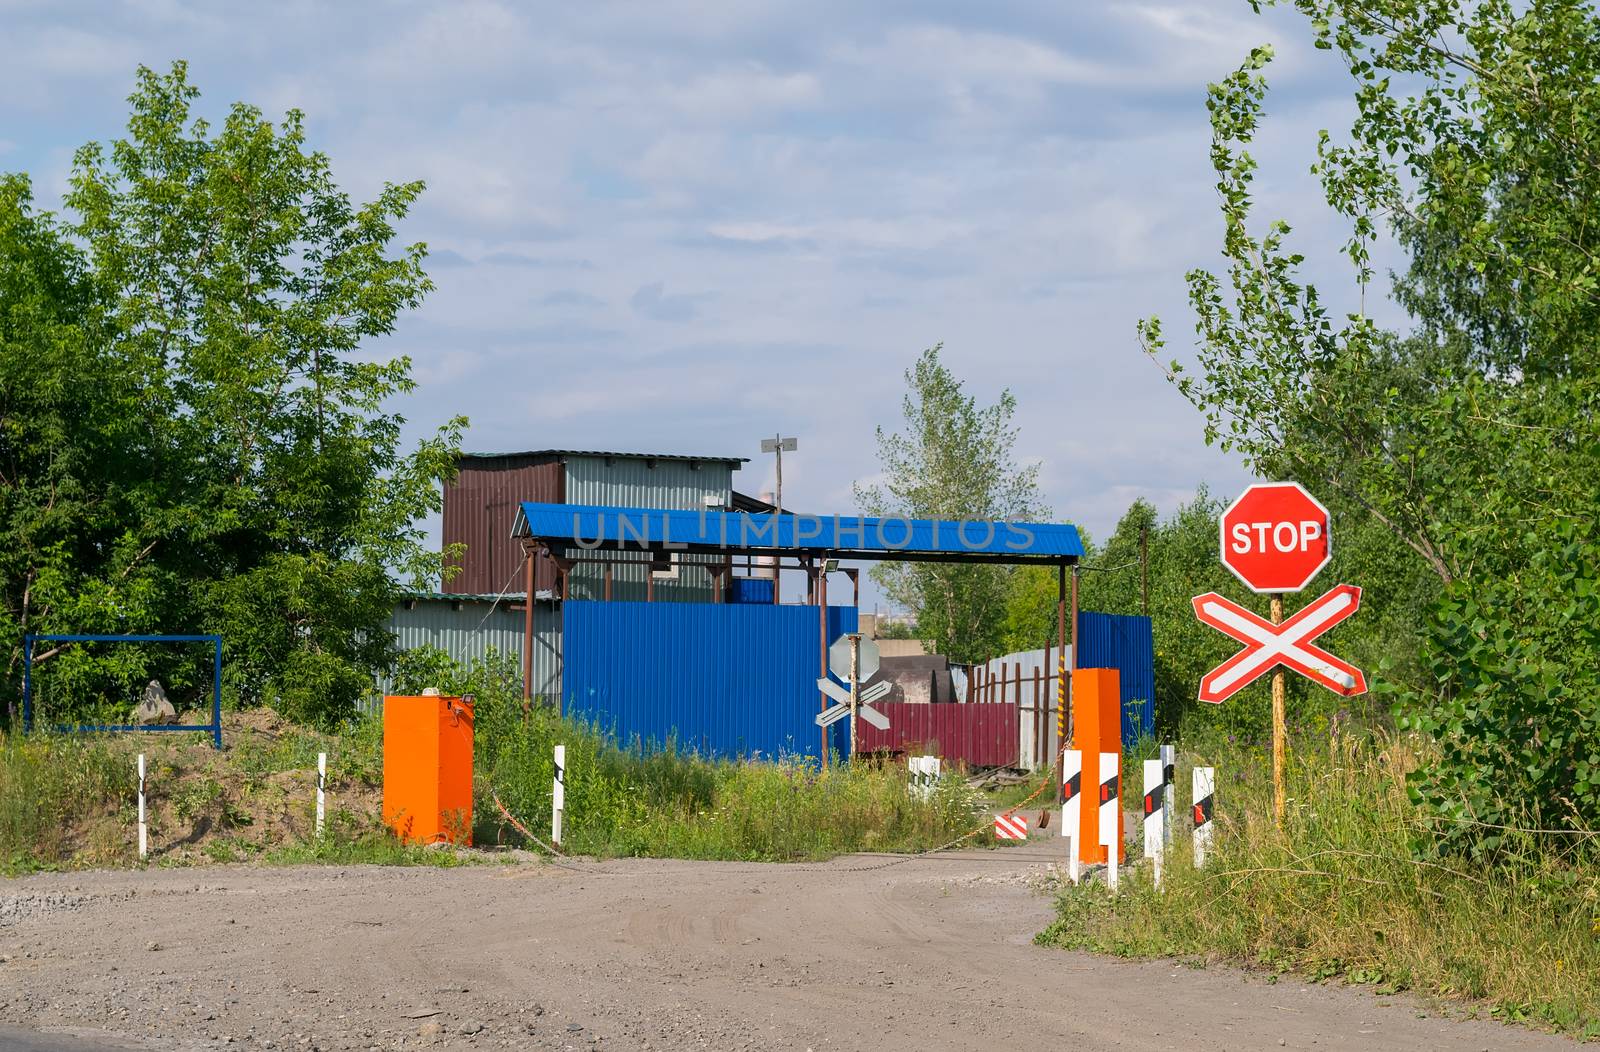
(1288, 644)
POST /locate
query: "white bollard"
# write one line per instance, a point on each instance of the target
(1071, 804)
(1111, 813)
(322, 785)
(144, 842)
(558, 798)
(1205, 789)
(1169, 770)
(1155, 839)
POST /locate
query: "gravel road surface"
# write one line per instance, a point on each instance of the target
(935, 953)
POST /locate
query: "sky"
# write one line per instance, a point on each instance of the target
(682, 226)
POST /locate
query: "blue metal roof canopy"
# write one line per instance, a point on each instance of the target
(562, 527)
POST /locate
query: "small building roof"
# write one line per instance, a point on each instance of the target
(602, 453)
(585, 527)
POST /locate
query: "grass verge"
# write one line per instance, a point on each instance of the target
(1348, 890)
(658, 801)
(67, 801)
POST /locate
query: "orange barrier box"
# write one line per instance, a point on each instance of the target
(427, 768)
(1096, 728)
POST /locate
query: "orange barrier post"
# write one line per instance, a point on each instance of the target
(1096, 728)
(427, 768)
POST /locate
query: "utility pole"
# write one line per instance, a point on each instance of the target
(777, 444)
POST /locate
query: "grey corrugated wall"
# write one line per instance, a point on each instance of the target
(627, 482)
(467, 633)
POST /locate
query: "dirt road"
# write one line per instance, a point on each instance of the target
(931, 954)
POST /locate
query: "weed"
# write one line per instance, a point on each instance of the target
(1351, 889)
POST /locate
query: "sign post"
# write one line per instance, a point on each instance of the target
(1275, 538)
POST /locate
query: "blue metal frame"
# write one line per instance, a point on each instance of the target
(215, 726)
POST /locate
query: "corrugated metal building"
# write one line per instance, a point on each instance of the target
(481, 606)
(721, 679)
(467, 627)
(481, 503)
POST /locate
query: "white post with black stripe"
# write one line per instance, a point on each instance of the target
(322, 788)
(144, 838)
(1169, 770)
(558, 796)
(1155, 838)
(1071, 805)
(1110, 812)
(1205, 790)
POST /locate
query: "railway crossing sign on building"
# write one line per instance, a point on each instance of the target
(1276, 537)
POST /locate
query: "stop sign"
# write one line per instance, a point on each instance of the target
(1276, 537)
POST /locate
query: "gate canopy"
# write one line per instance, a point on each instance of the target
(585, 527)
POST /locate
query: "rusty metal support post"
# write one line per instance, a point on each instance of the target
(527, 627)
(1061, 665)
(821, 590)
(1144, 569)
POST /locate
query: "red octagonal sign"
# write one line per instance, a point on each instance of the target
(1276, 537)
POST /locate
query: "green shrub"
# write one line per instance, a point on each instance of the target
(1515, 664)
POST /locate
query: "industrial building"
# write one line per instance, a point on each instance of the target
(644, 593)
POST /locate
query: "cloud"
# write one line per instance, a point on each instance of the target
(845, 183)
(650, 301)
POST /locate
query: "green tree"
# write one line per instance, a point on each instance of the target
(1472, 435)
(257, 486)
(954, 460)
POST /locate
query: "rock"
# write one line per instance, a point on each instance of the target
(154, 706)
(471, 1026)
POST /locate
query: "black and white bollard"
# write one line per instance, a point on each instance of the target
(144, 840)
(1155, 835)
(1071, 804)
(1205, 789)
(1169, 770)
(1110, 813)
(322, 788)
(558, 798)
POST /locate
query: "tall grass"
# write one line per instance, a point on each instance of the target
(1351, 889)
(654, 800)
(45, 779)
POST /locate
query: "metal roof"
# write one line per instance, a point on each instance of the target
(587, 527)
(602, 453)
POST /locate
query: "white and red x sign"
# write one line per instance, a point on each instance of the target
(1288, 644)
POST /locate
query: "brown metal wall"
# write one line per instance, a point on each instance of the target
(479, 508)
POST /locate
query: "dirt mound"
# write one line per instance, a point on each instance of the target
(256, 794)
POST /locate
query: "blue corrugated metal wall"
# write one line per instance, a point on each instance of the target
(1123, 642)
(723, 679)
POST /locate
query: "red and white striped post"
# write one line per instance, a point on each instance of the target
(1071, 802)
(1110, 779)
(1205, 788)
(1155, 837)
